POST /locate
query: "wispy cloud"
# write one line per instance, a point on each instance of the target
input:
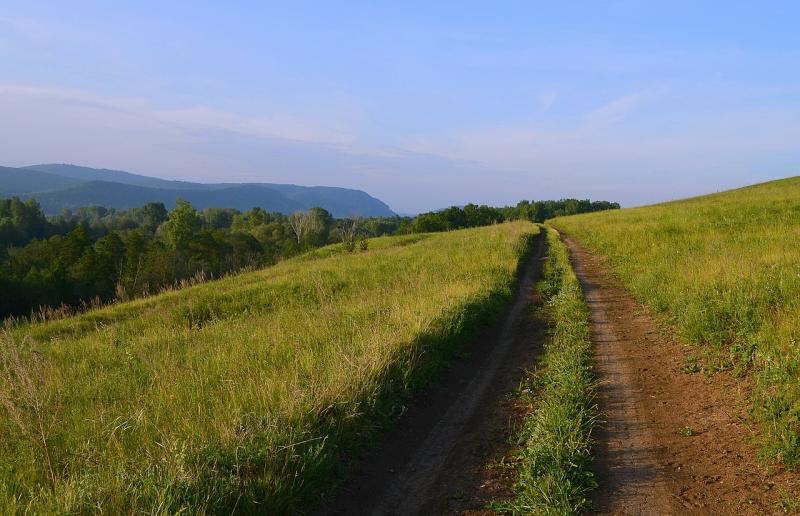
(608, 151)
(616, 148)
(189, 119)
(616, 110)
(547, 99)
(202, 143)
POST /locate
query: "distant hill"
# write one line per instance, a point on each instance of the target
(85, 174)
(59, 186)
(14, 181)
(121, 196)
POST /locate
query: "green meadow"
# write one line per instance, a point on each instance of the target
(241, 394)
(723, 269)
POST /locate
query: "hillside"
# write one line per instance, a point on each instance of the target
(84, 174)
(122, 196)
(241, 394)
(58, 186)
(13, 181)
(723, 269)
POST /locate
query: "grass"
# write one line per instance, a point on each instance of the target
(724, 269)
(553, 471)
(243, 394)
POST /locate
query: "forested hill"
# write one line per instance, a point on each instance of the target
(57, 187)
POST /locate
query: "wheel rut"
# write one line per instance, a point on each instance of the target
(434, 460)
(668, 442)
(633, 480)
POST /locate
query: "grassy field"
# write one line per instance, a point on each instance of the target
(725, 270)
(240, 394)
(553, 471)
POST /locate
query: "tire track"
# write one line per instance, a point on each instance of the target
(434, 460)
(645, 459)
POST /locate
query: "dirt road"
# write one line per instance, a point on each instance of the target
(434, 460)
(672, 442)
(669, 443)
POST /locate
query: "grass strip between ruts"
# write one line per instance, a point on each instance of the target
(555, 439)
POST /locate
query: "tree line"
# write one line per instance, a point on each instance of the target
(96, 254)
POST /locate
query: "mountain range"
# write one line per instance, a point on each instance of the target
(60, 186)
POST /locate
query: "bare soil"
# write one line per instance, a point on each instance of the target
(445, 454)
(646, 461)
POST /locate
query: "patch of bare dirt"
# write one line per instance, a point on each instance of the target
(671, 442)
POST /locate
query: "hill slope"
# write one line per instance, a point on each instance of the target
(240, 395)
(122, 196)
(85, 174)
(725, 270)
(58, 186)
(15, 182)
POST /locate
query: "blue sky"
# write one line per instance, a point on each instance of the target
(423, 104)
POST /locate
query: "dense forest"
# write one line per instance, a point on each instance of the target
(96, 255)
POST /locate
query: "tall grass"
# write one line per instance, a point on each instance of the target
(240, 394)
(553, 472)
(725, 269)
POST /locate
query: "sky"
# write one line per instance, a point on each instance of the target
(422, 104)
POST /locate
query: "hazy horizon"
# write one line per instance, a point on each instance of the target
(423, 106)
(413, 213)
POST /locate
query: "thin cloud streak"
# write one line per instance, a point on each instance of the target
(278, 126)
(597, 151)
(50, 125)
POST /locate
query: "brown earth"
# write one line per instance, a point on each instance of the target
(444, 455)
(645, 463)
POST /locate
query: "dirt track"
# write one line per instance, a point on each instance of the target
(434, 460)
(643, 462)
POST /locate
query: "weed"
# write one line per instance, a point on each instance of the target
(32, 408)
(691, 365)
(788, 503)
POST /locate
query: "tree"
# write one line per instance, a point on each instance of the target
(453, 217)
(319, 226)
(428, 222)
(299, 221)
(250, 219)
(219, 218)
(73, 246)
(181, 225)
(135, 247)
(348, 230)
(154, 214)
(20, 222)
(110, 253)
(246, 250)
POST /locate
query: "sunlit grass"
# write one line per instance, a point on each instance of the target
(241, 393)
(725, 269)
(553, 470)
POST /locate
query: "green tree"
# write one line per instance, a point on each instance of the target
(154, 214)
(320, 223)
(251, 219)
(219, 218)
(181, 225)
(110, 257)
(428, 222)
